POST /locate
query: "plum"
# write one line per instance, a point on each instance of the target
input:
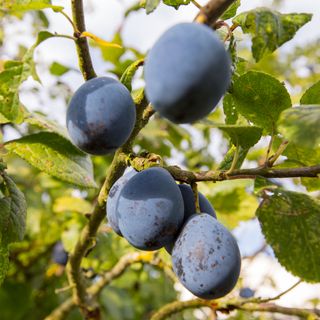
(187, 72)
(150, 209)
(101, 116)
(206, 257)
(59, 255)
(190, 207)
(113, 199)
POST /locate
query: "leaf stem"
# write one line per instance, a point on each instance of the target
(194, 187)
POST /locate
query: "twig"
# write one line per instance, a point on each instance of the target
(226, 306)
(61, 312)
(82, 46)
(210, 13)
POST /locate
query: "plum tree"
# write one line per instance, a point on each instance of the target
(59, 254)
(101, 116)
(150, 209)
(187, 72)
(206, 257)
(190, 207)
(113, 199)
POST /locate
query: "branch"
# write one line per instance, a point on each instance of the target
(224, 306)
(61, 312)
(84, 57)
(81, 297)
(140, 163)
(210, 13)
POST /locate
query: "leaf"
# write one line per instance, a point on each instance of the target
(244, 136)
(13, 209)
(56, 156)
(176, 3)
(13, 213)
(24, 5)
(110, 54)
(71, 204)
(270, 29)
(150, 5)
(312, 95)
(14, 73)
(40, 121)
(128, 75)
(231, 11)
(260, 98)
(232, 201)
(290, 222)
(230, 109)
(301, 125)
(100, 41)
(58, 69)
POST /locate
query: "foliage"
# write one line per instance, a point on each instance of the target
(49, 188)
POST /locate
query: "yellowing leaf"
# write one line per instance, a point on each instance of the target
(99, 40)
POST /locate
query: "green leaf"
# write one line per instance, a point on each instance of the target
(4, 262)
(260, 98)
(56, 156)
(301, 125)
(14, 73)
(231, 11)
(244, 136)
(110, 54)
(128, 75)
(226, 163)
(13, 213)
(58, 69)
(150, 5)
(13, 209)
(40, 121)
(176, 3)
(230, 109)
(290, 222)
(24, 5)
(270, 29)
(232, 201)
(312, 95)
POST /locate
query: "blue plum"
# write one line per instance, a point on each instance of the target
(59, 255)
(190, 207)
(113, 200)
(101, 116)
(246, 293)
(187, 72)
(150, 209)
(206, 257)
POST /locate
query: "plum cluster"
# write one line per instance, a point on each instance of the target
(151, 211)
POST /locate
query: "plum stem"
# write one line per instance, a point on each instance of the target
(194, 188)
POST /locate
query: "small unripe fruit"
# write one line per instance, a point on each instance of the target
(187, 72)
(101, 116)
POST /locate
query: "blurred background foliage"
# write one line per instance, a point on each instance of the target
(57, 210)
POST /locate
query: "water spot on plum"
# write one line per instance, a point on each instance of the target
(218, 240)
(211, 251)
(218, 247)
(201, 285)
